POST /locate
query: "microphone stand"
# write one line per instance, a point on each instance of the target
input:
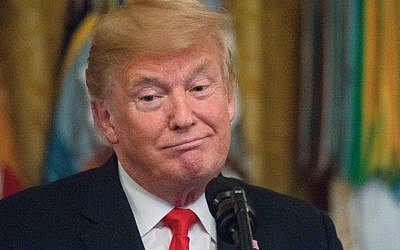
(242, 237)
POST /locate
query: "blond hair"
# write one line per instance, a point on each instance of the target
(154, 27)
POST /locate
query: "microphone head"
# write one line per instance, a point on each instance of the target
(220, 202)
(217, 190)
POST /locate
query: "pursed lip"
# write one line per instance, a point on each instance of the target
(185, 144)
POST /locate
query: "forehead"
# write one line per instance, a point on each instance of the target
(180, 62)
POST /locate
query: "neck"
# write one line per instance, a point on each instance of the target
(182, 199)
(177, 194)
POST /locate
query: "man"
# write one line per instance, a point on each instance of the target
(162, 86)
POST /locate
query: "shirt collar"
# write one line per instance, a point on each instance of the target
(149, 209)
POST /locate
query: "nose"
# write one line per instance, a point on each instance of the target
(181, 116)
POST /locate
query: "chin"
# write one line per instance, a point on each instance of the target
(192, 171)
(199, 173)
(197, 169)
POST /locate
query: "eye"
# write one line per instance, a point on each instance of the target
(147, 98)
(200, 89)
(149, 102)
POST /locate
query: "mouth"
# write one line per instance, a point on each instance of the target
(187, 144)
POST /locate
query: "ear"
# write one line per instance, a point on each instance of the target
(103, 120)
(232, 105)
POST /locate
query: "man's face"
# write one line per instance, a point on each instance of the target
(169, 116)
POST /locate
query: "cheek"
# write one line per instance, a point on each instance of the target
(220, 113)
(145, 127)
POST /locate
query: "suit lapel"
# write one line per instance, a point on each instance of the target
(108, 219)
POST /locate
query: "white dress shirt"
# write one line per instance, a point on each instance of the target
(149, 210)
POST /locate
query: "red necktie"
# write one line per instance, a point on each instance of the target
(179, 220)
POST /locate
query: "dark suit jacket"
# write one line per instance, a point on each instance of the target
(90, 211)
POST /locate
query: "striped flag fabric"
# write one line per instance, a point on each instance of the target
(10, 177)
(381, 93)
(374, 80)
(349, 95)
(321, 91)
(74, 143)
(362, 50)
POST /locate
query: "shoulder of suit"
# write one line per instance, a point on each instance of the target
(268, 200)
(68, 187)
(60, 193)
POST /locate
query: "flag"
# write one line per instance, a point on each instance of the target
(321, 88)
(352, 112)
(381, 95)
(30, 54)
(74, 142)
(360, 66)
(10, 176)
(375, 204)
(350, 88)
(374, 93)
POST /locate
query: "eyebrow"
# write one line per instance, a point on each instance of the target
(198, 67)
(139, 81)
(144, 79)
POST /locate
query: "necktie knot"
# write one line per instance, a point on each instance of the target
(179, 220)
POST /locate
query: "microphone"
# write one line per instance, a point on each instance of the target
(235, 219)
